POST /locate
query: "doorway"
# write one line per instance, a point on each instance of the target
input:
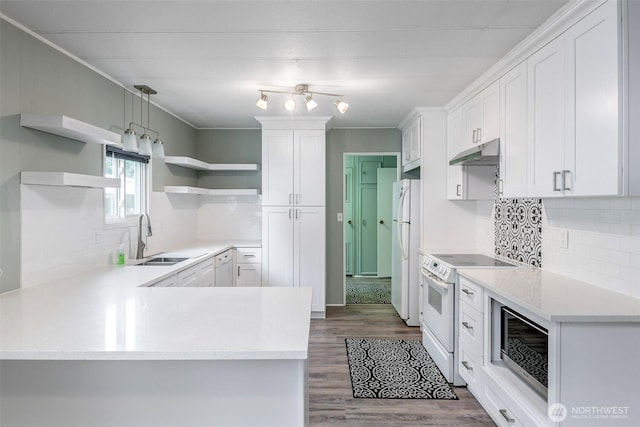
(368, 180)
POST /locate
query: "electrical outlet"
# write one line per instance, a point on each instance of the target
(339, 216)
(97, 237)
(564, 239)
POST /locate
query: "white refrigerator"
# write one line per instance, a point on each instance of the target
(405, 242)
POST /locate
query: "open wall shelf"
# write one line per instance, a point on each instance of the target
(71, 128)
(67, 179)
(196, 164)
(183, 189)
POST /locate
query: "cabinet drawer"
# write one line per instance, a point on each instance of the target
(470, 368)
(188, 277)
(501, 412)
(471, 329)
(248, 255)
(166, 282)
(471, 294)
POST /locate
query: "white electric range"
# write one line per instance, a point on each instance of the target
(440, 306)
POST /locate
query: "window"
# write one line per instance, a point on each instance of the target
(131, 198)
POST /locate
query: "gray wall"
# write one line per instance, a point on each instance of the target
(340, 141)
(230, 146)
(35, 78)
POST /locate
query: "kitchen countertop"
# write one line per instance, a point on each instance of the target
(110, 314)
(556, 298)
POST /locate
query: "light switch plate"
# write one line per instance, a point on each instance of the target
(339, 216)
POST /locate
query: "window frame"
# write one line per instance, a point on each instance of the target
(129, 220)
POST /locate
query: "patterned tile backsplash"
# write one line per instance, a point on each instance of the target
(518, 228)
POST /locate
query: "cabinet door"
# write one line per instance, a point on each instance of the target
(454, 146)
(471, 121)
(277, 246)
(592, 149)
(166, 282)
(309, 168)
(490, 101)
(546, 112)
(411, 137)
(309, 253)
(188, 277)
(248, 275)
(277, 167)
(206, 273)
(513, 133)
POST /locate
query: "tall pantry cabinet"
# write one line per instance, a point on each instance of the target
(293, 205)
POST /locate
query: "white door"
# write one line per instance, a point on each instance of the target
(384, 199)
(592, 154)
(454, 146)
(546, 111)
(277, 243)
(277, 167)
(513, 133)
(309, 252)
(309, 168)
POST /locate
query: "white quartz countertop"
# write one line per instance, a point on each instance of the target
(107, 315)
(554, 297)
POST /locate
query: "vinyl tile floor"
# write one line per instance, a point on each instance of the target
(331, 401)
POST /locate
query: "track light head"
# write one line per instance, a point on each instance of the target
(290, 104)
(342, 106)
(311, 104)
(262, 101)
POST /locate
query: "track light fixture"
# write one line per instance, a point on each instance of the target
(302, 90)
(129, 139)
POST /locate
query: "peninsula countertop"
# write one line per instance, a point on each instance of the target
(554, 297)
(109, 314)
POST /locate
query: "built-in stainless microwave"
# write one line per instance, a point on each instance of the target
(524, 348)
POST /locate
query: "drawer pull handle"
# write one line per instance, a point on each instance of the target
(249, 255)
(468, 292)
(466, 365)
(467, 326)
(506, 416)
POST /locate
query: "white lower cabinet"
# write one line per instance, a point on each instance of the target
(248, 267)
(501, 412)
(293, 245)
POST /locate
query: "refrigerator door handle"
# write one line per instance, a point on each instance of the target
(403, 251)
(401, 220)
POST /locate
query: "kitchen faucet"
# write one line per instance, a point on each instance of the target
(141, 244)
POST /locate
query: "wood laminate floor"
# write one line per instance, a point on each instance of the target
(331, 401)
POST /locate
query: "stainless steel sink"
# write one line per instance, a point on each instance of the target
(162, 261)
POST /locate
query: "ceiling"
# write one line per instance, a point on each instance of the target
(208, 59)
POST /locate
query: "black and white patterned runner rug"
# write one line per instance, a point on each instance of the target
(394, 369)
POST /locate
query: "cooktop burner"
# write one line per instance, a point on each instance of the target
(471, 260)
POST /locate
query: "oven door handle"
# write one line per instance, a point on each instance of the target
(435, 280)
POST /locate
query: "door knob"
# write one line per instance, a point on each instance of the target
(381, 221)
(349, 222)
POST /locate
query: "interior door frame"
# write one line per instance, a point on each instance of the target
(398, 156)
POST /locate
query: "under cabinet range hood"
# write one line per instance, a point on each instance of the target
(485, 154)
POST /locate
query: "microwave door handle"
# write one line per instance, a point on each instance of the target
(526, 321)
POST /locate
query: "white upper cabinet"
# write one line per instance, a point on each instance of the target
(513, 133)
(465, 182)
(411, 142)
(575, 147)
(481, 117)
(546, 125)
(593, 146)
(293, 167)
(454, 146)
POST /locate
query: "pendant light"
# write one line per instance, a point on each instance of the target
(129, 139)
(158, 149)
(145, 140)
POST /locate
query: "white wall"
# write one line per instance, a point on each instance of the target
(63, 231)
(485, 226)
(604, 241)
